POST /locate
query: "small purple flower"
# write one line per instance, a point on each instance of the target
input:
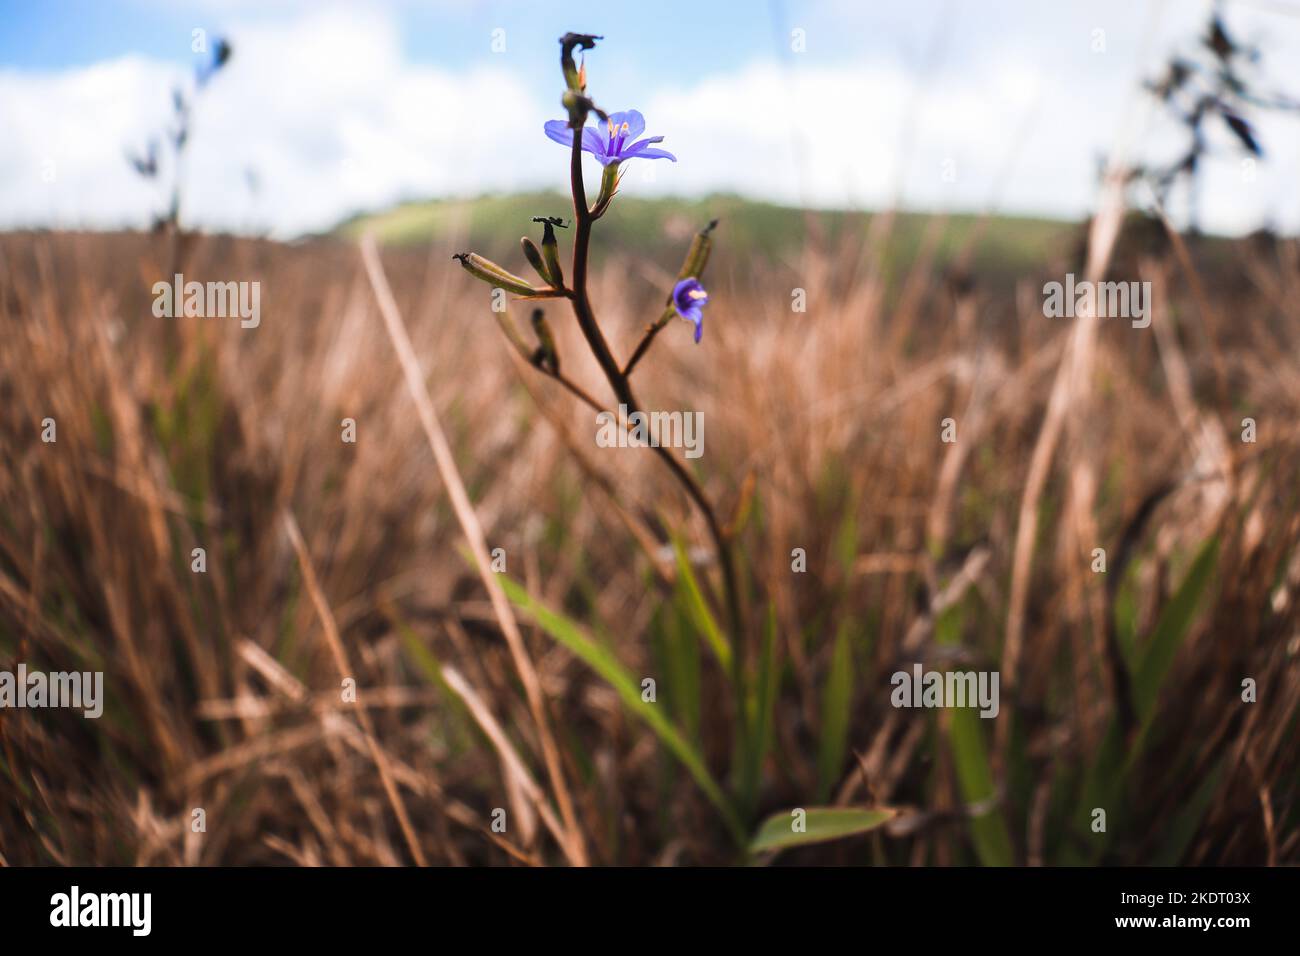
(689, 299)
(611, 142)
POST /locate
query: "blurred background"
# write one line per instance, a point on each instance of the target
(914, 463)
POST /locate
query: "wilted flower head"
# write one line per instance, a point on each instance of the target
(575, 76)
(611, 140)
(220, 55)
(689, 299)
(146, 165)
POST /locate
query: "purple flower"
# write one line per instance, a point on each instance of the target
(611, 141)
(689, 299)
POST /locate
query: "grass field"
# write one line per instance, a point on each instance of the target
(227, 689)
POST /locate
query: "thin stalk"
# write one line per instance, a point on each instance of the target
(646, 339)
(618, 381)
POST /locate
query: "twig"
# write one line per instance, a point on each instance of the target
(648, 337)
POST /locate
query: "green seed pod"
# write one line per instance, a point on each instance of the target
(547, 356)
(493, 274)
(534, 257)
(551, 253)
(697, 257)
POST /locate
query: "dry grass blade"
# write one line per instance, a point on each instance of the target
(517, 772)
(572, 841)
(1071, 380)
(340, 656)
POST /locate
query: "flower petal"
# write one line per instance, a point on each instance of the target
(634, 120)
(593, 143)
(562, 133)
(689, 300)
(682, 298)
(648, 153)
(633, 148)
(559, 131)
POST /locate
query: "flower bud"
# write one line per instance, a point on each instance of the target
(692, 267)
(608, 186)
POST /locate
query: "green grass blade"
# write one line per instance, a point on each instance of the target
(837, 700)
(970, 757)
(988, 830)
(699, 608)
(599, 659)
(761, 717)
(422, 657)
(821, 824)
(1106, 780)
(1185, 823)
(681, 656)
(1170, 630)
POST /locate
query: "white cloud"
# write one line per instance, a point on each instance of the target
(326, 110)
(323, 109)
(1024, 136)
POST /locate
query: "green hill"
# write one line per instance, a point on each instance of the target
(660, 228)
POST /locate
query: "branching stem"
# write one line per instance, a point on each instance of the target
(618, 381)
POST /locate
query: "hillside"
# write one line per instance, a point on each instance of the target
(660, 226)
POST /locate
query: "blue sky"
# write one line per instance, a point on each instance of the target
(58, 34)
(938, 104)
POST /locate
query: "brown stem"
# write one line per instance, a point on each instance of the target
(578, 293)
(618, 381)
(573, 387)
(646, 339)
